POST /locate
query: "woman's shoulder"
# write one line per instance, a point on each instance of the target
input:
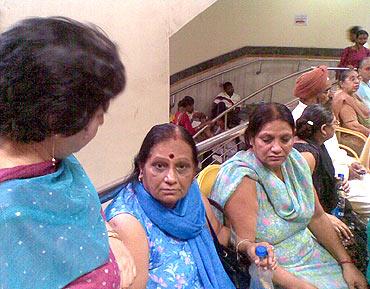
(237, 164)
(348, 49)
(307, 147)
(125, 202)
(230, 176)
(339, 100)
(240, 156)
(297, 156)
(339, 95)
(367, 50)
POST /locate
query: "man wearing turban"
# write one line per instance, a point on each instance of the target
(311, 87)
(314, 87)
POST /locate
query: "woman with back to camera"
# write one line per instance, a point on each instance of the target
(313, 128)
(160, 214)
(268, 195)
(57, 78)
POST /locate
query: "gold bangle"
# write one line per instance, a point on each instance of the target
(237, 247)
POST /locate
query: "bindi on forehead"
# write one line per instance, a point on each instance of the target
(171, 156)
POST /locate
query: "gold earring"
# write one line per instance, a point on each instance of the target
(53, 160)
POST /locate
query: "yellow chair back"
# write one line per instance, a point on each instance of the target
(207, 177)
(356, 136)
(365, 154)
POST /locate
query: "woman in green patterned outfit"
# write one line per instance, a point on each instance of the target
(268, 195)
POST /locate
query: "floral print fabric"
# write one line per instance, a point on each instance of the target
(171, 263)
(295, 247)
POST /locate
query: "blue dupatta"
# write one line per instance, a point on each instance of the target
(187, 222)
(51, 229)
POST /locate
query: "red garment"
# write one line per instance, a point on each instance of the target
(353, 57)
(182, 119)
(107, 275)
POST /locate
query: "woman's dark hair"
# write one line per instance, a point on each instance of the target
(265, 113)
(158, 134)
(344, 74)
(181, 103)
(355, 29)
(188, 100)
(311, 120)
(55, 73)
(361, 32)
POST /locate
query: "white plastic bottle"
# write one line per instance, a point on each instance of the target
(260, 278)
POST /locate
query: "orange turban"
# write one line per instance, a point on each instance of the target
(311, 83)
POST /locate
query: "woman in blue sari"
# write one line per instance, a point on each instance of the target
(160, 216)
(57, 78)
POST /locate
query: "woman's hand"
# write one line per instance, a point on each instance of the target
(127, 267)
(269, 262)
(125, 260)
(340, 227)
(356, 170)
(345, 186)
(353, 277)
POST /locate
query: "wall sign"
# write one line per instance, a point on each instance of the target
(301, 20)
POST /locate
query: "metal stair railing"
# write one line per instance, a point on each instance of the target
(216, 141)
(260, 60)
(271, 84)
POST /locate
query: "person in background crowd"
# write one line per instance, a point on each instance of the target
(225, 99)
(310, 88)
(190, 120)
(160, 214)
(268, 195)
(364, 90)
(352, 55)
(347, 107)
(313, 128)
(199, 121)
(315, 87)
(351, 33)
(179, 112)
(189, 101)
(57, 78)
(186, 105)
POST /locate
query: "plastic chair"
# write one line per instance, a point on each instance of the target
(207, 177)
(342, 130)
(339, 130)
(351, 151)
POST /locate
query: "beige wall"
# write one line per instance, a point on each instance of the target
(230, 24)
(141, 28)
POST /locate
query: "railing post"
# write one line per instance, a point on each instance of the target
(260, 69)
(271, 93)
(225, 121)
(299, 66)
(271, 84)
